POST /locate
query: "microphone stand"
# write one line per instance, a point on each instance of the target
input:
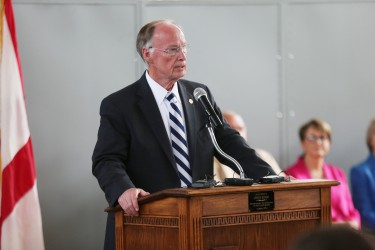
(222, 153)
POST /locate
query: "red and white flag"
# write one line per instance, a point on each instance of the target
(20, 218)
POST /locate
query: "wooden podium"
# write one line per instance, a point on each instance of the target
(261, 216)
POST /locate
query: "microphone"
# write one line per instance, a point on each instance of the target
(201, 96)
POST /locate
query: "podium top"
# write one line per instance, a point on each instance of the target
(217, 190)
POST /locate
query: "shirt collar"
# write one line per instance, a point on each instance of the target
(160, 92)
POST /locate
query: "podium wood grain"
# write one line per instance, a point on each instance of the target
(219, 218)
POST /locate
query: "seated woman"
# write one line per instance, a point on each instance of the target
(315, 138)
(362, 178)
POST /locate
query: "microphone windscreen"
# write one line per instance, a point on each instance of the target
(198, 93)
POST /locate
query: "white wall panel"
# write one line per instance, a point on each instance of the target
(331, 75)
(72, 57)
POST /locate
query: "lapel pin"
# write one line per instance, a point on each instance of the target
(191, 101)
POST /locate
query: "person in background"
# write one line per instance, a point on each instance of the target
(315, 138)
(222, 171)
(152, 134)
(332, 238)
(362, 177)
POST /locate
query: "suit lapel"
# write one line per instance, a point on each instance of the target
(150, 110)
(151, 113)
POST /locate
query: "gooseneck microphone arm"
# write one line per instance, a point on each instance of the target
(222, 153)
(201, 96)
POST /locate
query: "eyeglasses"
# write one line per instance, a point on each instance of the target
(314, 138)
(172, 51)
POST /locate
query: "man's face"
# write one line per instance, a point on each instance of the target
(237, 123)
(165, 68)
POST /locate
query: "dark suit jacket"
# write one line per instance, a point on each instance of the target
(134, 150)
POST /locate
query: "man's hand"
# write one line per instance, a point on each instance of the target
(129, 200)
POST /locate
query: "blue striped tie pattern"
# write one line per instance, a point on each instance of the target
(178, 140)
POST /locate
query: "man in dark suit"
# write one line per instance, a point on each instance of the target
(134, 154)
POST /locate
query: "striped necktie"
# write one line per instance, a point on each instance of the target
(178, 140)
